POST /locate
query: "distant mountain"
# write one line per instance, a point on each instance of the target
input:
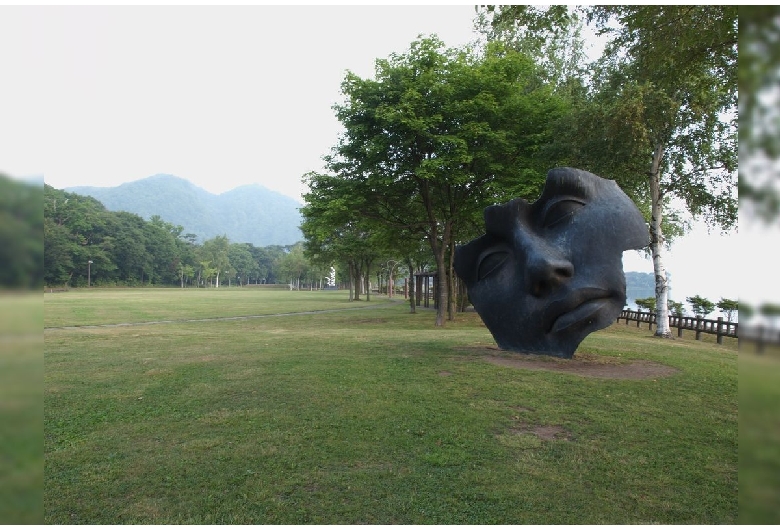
(247, 214)
(642, 285)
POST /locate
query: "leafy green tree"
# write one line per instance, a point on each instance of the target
(266, 258)
(661, 117)
(729, 307)
(206, 272)
(337, 231)
(58, 252)
(645, 303)
(551, 35)
(160, 237)
(186, 273)
(700, 305)
(84, 233)
(294, 266)
(438, 135)
(215, 252)
(21, 234)
(128, 248)
(759, 129)
(242, 261)
(676, 308)
(770, 309)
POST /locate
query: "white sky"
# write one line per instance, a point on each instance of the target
(223, 96)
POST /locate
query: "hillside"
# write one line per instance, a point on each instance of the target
(641, 285)
(247, 214)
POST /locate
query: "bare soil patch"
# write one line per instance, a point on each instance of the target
(544, 432)
(582, 364)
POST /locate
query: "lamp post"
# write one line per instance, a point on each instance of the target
(390, 283)
(89, 273)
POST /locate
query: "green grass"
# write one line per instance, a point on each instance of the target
(367, 416)
(21, 408)
(759, 436)
(84, 307)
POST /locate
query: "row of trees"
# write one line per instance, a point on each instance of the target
(21, 231)
(701, 306)
(439, 134)
(84, 243)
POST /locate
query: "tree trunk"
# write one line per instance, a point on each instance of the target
(351, 287)
(357, 280)
(367, 280)
(657, 246)
(439, 250)
(412, 294)
(452, 282)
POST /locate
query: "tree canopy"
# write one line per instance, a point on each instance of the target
(659, 115)
(438, 135)
(21, 234)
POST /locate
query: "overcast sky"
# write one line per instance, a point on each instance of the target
(222, 96)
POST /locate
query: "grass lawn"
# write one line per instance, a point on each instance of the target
(21, 408)
(759, 436)
(370, 415)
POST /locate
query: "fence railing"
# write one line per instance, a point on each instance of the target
(721, 328)
(760, 336)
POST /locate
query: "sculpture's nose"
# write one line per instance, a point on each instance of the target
(546, 269)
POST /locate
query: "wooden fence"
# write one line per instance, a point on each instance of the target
(717, 327)
(760, 336)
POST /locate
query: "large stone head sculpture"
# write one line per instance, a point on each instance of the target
(548, 273)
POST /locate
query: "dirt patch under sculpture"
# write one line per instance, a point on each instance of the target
(583, 364)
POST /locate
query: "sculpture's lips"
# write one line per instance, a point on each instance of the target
(578, 306)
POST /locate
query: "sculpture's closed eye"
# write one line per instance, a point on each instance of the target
(561, 211)
(491, 261)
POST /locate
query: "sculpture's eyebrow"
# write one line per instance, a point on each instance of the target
(501, 220)
(567, 183)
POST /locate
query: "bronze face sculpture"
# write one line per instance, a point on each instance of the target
(548, 273)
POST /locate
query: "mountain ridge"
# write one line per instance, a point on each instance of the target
(249, 213)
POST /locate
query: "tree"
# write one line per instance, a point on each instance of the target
(660, 114)
(242, 261)
(21, 233)
(160, 237)
(676, 308)
(551, 35)
(759, 57)
(186, 273)
(293, 266)
(646, 303)
(665, 95)
(729, 307)
(437, 136)
(215, 252)
(700, 305)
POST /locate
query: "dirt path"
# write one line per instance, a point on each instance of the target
(585, 365)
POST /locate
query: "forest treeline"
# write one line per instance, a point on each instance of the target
(21, 234)
(87, 244)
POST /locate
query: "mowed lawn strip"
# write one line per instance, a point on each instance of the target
(96, 307)
(21, 408)
(376, 416)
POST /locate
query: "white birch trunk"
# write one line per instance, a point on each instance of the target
(657, 248)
